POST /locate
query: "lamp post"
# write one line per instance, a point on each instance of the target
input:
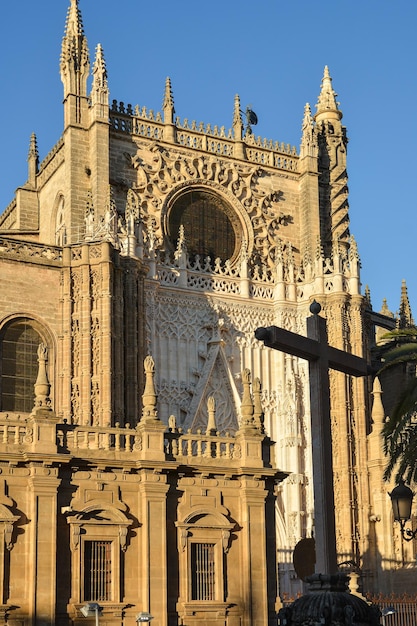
(91, 609)
(402, 500)
(143, 617)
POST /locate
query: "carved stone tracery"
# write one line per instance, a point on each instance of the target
(162, 175)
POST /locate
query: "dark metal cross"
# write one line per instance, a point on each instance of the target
(316, 350)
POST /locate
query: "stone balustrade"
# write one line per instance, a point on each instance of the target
(17, 435)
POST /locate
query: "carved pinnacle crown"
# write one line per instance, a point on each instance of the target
(326, 103)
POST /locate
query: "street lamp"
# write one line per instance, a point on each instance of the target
(401, 500)
(91, 609)
(143, 617)
(388, 610)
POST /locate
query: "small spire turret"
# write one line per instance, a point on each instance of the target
(33, 160)
(385, 309)
(405, 317)
(100, 89)
(237, 119)
(168, 103)
(308, 140)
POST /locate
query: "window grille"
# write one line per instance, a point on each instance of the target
(207, 227)
(19, 367)
(97, 570)
(202, 571)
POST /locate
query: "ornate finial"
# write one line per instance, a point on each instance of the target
(243, 256)
(319, 249)
(237, 119)
(290, 254)
(99, 89)
(89, 217)
(308, 138)
(405, 318)
(327, 99)
(42, 385)
(378, 413)
(279, 252)
(257, 405)
(149, 397)
(211, 422)
(181, 244)
(247, 404)
(353, 249)
(315, 307)
(368, 296)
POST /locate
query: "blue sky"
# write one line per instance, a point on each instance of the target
(272, 53)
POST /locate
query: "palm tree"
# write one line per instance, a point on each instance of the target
(400, 430)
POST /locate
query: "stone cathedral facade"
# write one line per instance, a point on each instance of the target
(154, 455)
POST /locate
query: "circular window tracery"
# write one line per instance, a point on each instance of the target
(211, 227)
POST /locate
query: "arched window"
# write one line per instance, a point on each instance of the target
(210, 226)
(19, 366)
(60, 228)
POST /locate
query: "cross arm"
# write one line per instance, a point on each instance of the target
(311, 350)
(291, 343)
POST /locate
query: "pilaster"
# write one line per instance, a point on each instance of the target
(254, 574)
(43, 486)
(153, 582)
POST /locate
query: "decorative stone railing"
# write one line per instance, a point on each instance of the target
(214, 277)
(15, 431)
(215, 140)
(17, 435)
(179, 445)
(74, 438)
(13, 248)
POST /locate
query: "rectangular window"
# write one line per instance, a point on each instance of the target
(97, 570)
(202, 571)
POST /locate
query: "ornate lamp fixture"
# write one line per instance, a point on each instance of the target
(143, 617)
(91, 609)
(401, 500)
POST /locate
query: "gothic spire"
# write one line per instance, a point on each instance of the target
(75, 62)
(405, 318)
(327, 107)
